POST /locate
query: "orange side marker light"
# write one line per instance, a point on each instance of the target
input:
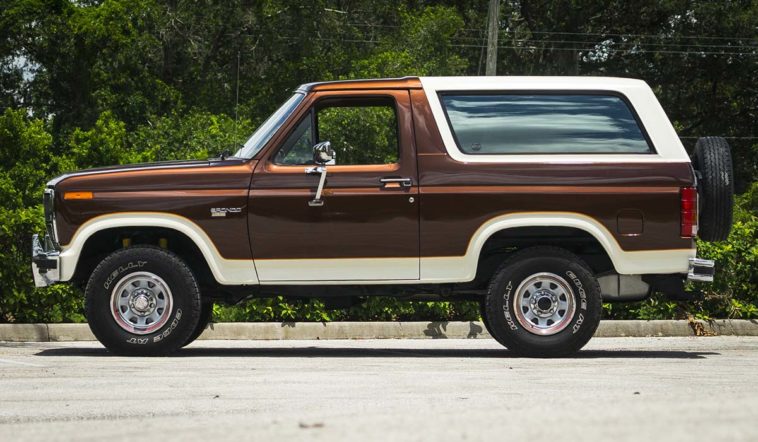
(77, 196)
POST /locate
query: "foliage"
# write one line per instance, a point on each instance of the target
(734, 292)
(353, 135)
(373, 309)
(195, 135)
(97, 82)
(23, 172)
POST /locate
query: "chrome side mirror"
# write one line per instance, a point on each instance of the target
(323, 153)
(322, 156)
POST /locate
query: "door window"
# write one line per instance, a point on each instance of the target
(360, 130)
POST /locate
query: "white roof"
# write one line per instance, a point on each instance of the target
(657, 125)
(535, 82)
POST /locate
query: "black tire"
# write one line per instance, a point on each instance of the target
(712, 158)
(571, 332)
(483, 314)
(206, 313)
(142, 264)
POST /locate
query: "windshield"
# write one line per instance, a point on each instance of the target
(267, 130)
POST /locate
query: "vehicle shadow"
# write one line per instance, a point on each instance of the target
(197, 350)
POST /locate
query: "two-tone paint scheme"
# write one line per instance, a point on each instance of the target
(434, 230)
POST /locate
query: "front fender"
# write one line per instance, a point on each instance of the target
(225, 271)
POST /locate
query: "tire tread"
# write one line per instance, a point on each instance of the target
(714, 161)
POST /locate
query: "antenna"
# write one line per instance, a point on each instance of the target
(237, 99)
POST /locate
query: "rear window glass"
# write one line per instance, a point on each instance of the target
(543, 124)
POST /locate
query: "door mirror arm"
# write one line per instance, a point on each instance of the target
(322, 155)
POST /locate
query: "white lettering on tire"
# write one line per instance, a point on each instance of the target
(170, 328)
(578, 324)
(507, 304)
(137, 340)
(121, 269)
(161, 336)
(579, 289)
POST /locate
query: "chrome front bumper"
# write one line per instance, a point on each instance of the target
(46, 263)
(701, 270)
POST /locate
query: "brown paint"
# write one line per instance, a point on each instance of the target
(455, 204)
(187, 192)
(428, 138)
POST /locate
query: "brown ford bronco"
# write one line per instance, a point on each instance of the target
(540, 197)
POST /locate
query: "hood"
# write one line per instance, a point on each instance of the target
(139, 166)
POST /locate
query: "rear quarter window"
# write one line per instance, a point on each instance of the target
(543, 124)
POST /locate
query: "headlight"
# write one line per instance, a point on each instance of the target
(48, 201)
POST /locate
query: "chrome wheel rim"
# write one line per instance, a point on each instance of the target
(141, 303)
(544, 304)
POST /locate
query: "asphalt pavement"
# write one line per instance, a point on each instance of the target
(697, 388)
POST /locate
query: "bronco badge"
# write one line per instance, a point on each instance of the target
(222, 211)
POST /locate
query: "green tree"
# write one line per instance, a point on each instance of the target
(26, 163)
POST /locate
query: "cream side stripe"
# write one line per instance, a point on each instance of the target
(456, 269)
(642, 98)
(345, 270)
(226, 271)
(440, 270)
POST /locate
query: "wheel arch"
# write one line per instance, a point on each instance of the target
(224, 271)
(505, 242)
(558, 220)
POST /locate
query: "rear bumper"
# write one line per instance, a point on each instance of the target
(45, 262)
(701, 270)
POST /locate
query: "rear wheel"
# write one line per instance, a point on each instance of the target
(142, 300)
(543, 302)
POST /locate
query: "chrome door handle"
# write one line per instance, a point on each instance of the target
(403, 182)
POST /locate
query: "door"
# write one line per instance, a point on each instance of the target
(367, 228)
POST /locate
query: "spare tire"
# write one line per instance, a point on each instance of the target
(712, 158)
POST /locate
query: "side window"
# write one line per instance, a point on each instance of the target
(361, 131)
(543, 124)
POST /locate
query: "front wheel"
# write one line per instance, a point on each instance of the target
(543, 302)
(206, 314)
(142, 301)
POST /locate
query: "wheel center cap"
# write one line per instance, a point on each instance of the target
(544, 304)
(142, 302)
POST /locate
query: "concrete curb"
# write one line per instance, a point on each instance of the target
(383, 330)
